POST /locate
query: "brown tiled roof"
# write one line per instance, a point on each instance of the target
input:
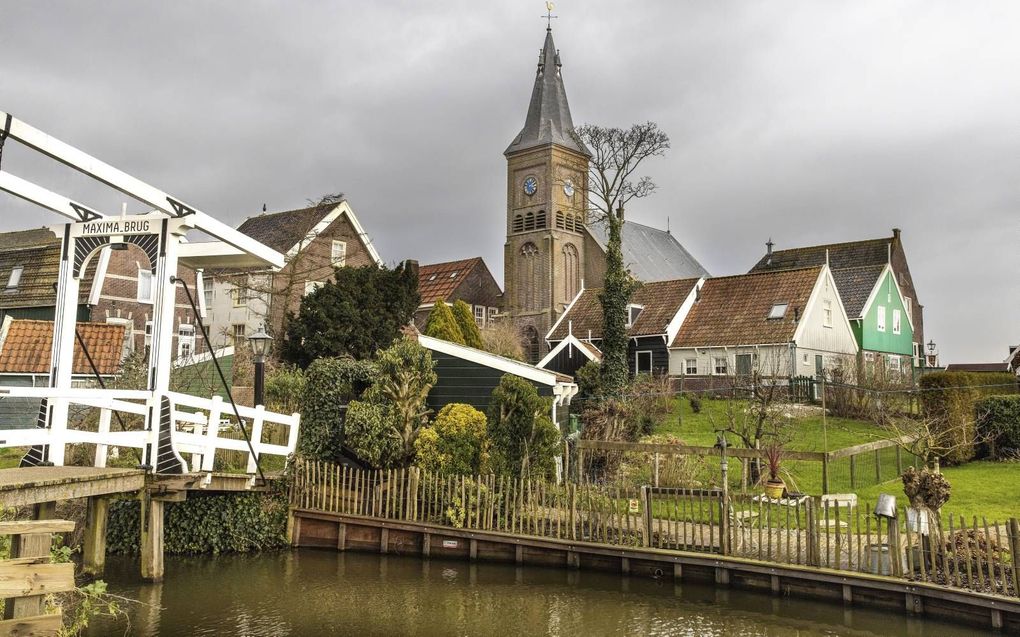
(281, 231)
(855, 286)
(440, 280)
(661, 301)
(734, 310)
(850, 254)
(38, 253)
(26, 347)
(977, 367)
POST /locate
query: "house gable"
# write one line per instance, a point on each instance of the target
(885, 297)
(815, 331)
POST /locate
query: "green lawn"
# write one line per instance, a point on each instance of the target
(10, 457)
(808, 432)
(982, 489)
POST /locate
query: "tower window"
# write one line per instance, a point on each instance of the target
(518, 223)
(540, 219)
(529, 221)
(560, 222)
(571, 271)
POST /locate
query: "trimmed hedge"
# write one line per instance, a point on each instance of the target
(949, 399)
(206, 523)
(998, 422)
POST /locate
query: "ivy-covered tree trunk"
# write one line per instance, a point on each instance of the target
(615, 295)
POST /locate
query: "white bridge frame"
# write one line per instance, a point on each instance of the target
(169, 429)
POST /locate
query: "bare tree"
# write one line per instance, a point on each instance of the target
(615, 157)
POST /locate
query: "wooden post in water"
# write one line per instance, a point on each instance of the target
(152, 537)
(94, 544)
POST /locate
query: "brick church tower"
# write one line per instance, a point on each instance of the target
(546, 200)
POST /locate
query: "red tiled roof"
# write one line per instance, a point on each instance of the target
(26, 345)
(734, 310)
(440, 280)
(661, 301)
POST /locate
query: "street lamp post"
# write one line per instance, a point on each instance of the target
(260, 342)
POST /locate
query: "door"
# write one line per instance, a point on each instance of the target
(743, 365)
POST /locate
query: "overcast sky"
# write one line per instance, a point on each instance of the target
(810, 122)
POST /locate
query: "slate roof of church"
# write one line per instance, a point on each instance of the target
(38, 253)
(548, 120)
(440, 280)
(25, 347)
(734, 310)
(661, 301)
(651, 254)
(855, 265)
(281, 231)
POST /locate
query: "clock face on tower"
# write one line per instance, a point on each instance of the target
(530, 186)
(568, 188)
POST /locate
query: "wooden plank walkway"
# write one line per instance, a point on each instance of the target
(34, 485)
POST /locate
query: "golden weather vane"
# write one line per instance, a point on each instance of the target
(548, 14)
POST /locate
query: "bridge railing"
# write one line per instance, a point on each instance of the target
(110, 419)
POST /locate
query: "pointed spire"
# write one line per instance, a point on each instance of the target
(548, 120)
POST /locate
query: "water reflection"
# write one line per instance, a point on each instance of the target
(325, 593)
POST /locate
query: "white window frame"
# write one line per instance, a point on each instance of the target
(14, 280)
(185, 340)
(880, 319)
(147, 341)
(725, 365)
(691, 366)
(207, 292)
(778, 310)
(897, 322)
(827, 313)
(311, 286)
(144, 274)
(631, 317)
(338, 253)
(908, 305)
(479, 312)
(637, 361)
(894, 363)
(493, 311)
(238, 298)
(129, 336)
(235, 332)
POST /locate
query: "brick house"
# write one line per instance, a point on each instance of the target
(467, 280)
(115, 289)
(313, 240)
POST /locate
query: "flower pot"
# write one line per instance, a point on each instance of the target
(774, 489)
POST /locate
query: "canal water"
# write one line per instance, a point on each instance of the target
(313, 593)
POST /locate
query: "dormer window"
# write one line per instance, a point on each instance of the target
(432, 278)
(453, 275)
(778, 310)
(14, 279)
(633, 311)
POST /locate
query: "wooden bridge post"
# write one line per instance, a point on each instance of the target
(152, 537)
(94, 544)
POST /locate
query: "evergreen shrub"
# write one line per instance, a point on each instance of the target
(998, 421)
(466, 322)
(330, 383)
(442, 324)
(524, 439)
(455, 443)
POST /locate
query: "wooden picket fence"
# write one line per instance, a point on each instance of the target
(28, 576)
(831, 533)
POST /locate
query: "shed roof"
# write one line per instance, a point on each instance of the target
(661, 300)
(651, 254)
(25, 347)
(734, 310)
(37, 252)
(977, 367)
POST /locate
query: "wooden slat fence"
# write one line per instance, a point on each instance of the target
(28, 576)
(829, 533)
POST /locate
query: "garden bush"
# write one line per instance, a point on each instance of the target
(442, 324)
(524, 439)
(589, 382)
(947, 401)
(285, 389)
(998, 423)
(466, 322)
(405, 375)
(330, 383)
(369, 433)
(455, 443)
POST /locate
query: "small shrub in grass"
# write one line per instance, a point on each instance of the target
(695, 403)
(998, 423)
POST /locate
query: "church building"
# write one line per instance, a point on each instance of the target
(553, 250)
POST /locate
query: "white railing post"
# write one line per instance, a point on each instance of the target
(256, 438)
(212, 430)
(196, 458)
(292, 434)
(104, 431)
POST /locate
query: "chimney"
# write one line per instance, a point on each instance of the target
(896, 234)
(412, 265)
(768, 246)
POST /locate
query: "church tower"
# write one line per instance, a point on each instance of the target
(546, 200)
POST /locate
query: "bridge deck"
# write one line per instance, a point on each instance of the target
(32, 485)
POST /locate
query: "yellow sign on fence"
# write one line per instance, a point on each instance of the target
(634, 505)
